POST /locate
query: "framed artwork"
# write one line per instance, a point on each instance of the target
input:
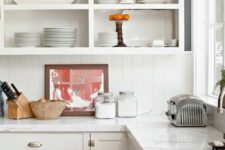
(77, 84)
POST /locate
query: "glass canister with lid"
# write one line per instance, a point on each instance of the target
(127, 104)
(105, 106)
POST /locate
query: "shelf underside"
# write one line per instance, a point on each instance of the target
(87, 6)
(92, 51)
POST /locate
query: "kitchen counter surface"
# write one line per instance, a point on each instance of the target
(151, 132)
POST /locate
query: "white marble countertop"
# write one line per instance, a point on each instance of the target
(151, 132)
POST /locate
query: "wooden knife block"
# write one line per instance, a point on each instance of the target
(19, 109)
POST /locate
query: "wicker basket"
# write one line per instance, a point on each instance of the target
(48, 110)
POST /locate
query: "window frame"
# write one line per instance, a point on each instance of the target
(213, 25)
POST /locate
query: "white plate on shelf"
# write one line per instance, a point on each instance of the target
(59, 39)
(60, 30)
(60, 35)
(27, 44)
(106, 40)
(60, 45)
(104, 45)
(27, 34)
(158, 45)
(43, 1)
(107, 1)
(156, 1)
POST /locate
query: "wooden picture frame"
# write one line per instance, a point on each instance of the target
(72, 82)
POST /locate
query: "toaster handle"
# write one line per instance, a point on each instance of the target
(167, 113)
(171, 116)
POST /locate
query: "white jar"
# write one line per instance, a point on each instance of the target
(105, 109)
(127, 104)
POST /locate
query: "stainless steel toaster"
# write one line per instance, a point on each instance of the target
(187, 111)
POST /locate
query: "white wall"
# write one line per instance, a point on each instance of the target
(153, 78)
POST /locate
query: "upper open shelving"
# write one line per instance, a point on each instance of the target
(87, 6)
(92, 51)
(91, 18)
(136, 6)
(46, 7)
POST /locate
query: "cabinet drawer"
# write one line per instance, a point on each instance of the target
(109, 141)
(39, 141)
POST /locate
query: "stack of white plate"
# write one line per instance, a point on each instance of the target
(43, 1)
(27, 39)
(107, 1)
(154, 1)
(106, 39)
(60, 37)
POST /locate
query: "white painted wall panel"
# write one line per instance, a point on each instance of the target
(153, 78)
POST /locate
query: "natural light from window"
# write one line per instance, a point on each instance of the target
(216, 45)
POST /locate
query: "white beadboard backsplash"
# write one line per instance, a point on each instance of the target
(154, 79)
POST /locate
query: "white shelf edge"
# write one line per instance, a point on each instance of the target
(86, 6)
(92, 51)
(46, 7)
(136, 6)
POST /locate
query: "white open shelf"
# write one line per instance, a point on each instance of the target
(86, 6)
(35, 17)
(47, 7)
(136, 6)
(92, 51)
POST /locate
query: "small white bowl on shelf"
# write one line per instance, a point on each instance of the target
(44, 1)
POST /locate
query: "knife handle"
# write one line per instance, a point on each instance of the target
(16, 90)
(8, 91)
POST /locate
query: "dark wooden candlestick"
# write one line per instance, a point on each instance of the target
(119, 30)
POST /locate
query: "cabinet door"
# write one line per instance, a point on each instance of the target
(26, 141)
(108, 141)
(132, 143)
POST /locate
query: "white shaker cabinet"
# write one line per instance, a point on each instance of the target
(131, 143)
(63, 141)
(41, 141)
(108, 141)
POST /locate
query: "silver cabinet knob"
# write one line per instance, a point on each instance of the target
(91, 143)
(34, 144)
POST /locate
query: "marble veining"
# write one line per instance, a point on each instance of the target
(150, 131)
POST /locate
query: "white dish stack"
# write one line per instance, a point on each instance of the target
(44, 1)
(106, 39)
(107, 1)
(60, 37)
(154, 1)
(27, 39)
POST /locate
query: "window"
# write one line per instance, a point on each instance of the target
(216, 43)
